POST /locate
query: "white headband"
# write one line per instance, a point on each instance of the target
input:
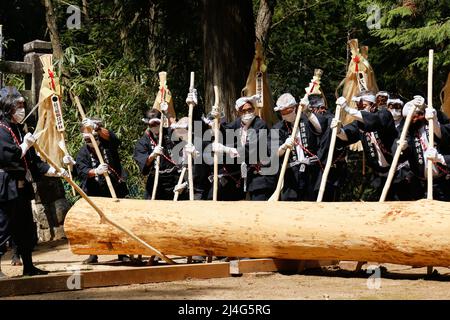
(383, 93)
(243, 100)
(395, 101)
(368, 97)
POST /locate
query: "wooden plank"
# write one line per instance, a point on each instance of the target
(16, 67)
(94, 279)
(37, 284)
(106, 278)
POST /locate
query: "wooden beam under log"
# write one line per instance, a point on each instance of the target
(409, 233)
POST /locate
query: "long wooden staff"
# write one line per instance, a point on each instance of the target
(216, 139)
(162, 85)
(190, 169)
(276, 195)
(397, 154)
(97, 151)
(323, 182)
(430, 124)
(180, 181)
(103, 217)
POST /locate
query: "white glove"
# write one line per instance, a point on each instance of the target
(192, 97)
(51, 172)
(28, 141)
(156, 152)
(68, 160)
(88, 123)
(418, 101)
(305, 101)
(430, 113)
(164, 106)
(402, 144)
(336, 123)
(433, 155)
(342, 102)
(288, 144)
(190, 149)
(313, 159)
(180, 187)
(220, 148)
(63, 173)
(214, 113)
(101, 169)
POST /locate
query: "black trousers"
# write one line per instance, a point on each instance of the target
(261, 195)
(16, 223)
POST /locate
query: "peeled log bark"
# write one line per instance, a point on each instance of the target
(409, 233)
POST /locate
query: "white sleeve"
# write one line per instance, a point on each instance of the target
(315, 122)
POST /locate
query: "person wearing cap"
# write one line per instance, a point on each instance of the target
(405, 186)
(91, 172)
(147, 150)
(381, 99)
(246, 172)
(19, 167)
(304, 165)
(418, 150)
(377, 133)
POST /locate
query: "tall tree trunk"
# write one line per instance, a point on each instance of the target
(53, 29)
(228, 47)
(264, 20)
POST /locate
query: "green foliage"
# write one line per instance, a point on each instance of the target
(112, 64)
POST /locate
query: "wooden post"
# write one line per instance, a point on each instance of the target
(216, 139)
(190, 167)
(430, 125)
(350, 231)
(162, 86)
(323, 182)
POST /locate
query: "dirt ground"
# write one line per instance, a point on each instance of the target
(398, 282)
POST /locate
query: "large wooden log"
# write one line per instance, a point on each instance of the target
(410, 233)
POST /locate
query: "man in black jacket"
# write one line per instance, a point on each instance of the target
(377, 133)
(147, 150)
(91, 171)
(19, 166)
(247, 147)
(304, 165)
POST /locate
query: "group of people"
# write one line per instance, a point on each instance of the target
(251, 155)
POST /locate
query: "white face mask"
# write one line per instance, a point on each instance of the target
(247, 118)
(19, 115)
(290, 117)
(396, 114)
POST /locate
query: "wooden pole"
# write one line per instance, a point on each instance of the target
(97, 150)
(190, 167)
(162, 85)
(276, 195)
(354, 231)
(397, 154)
(103, 217)
(216, 139)
(180, 181)
(323, 182)
(430, 125)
